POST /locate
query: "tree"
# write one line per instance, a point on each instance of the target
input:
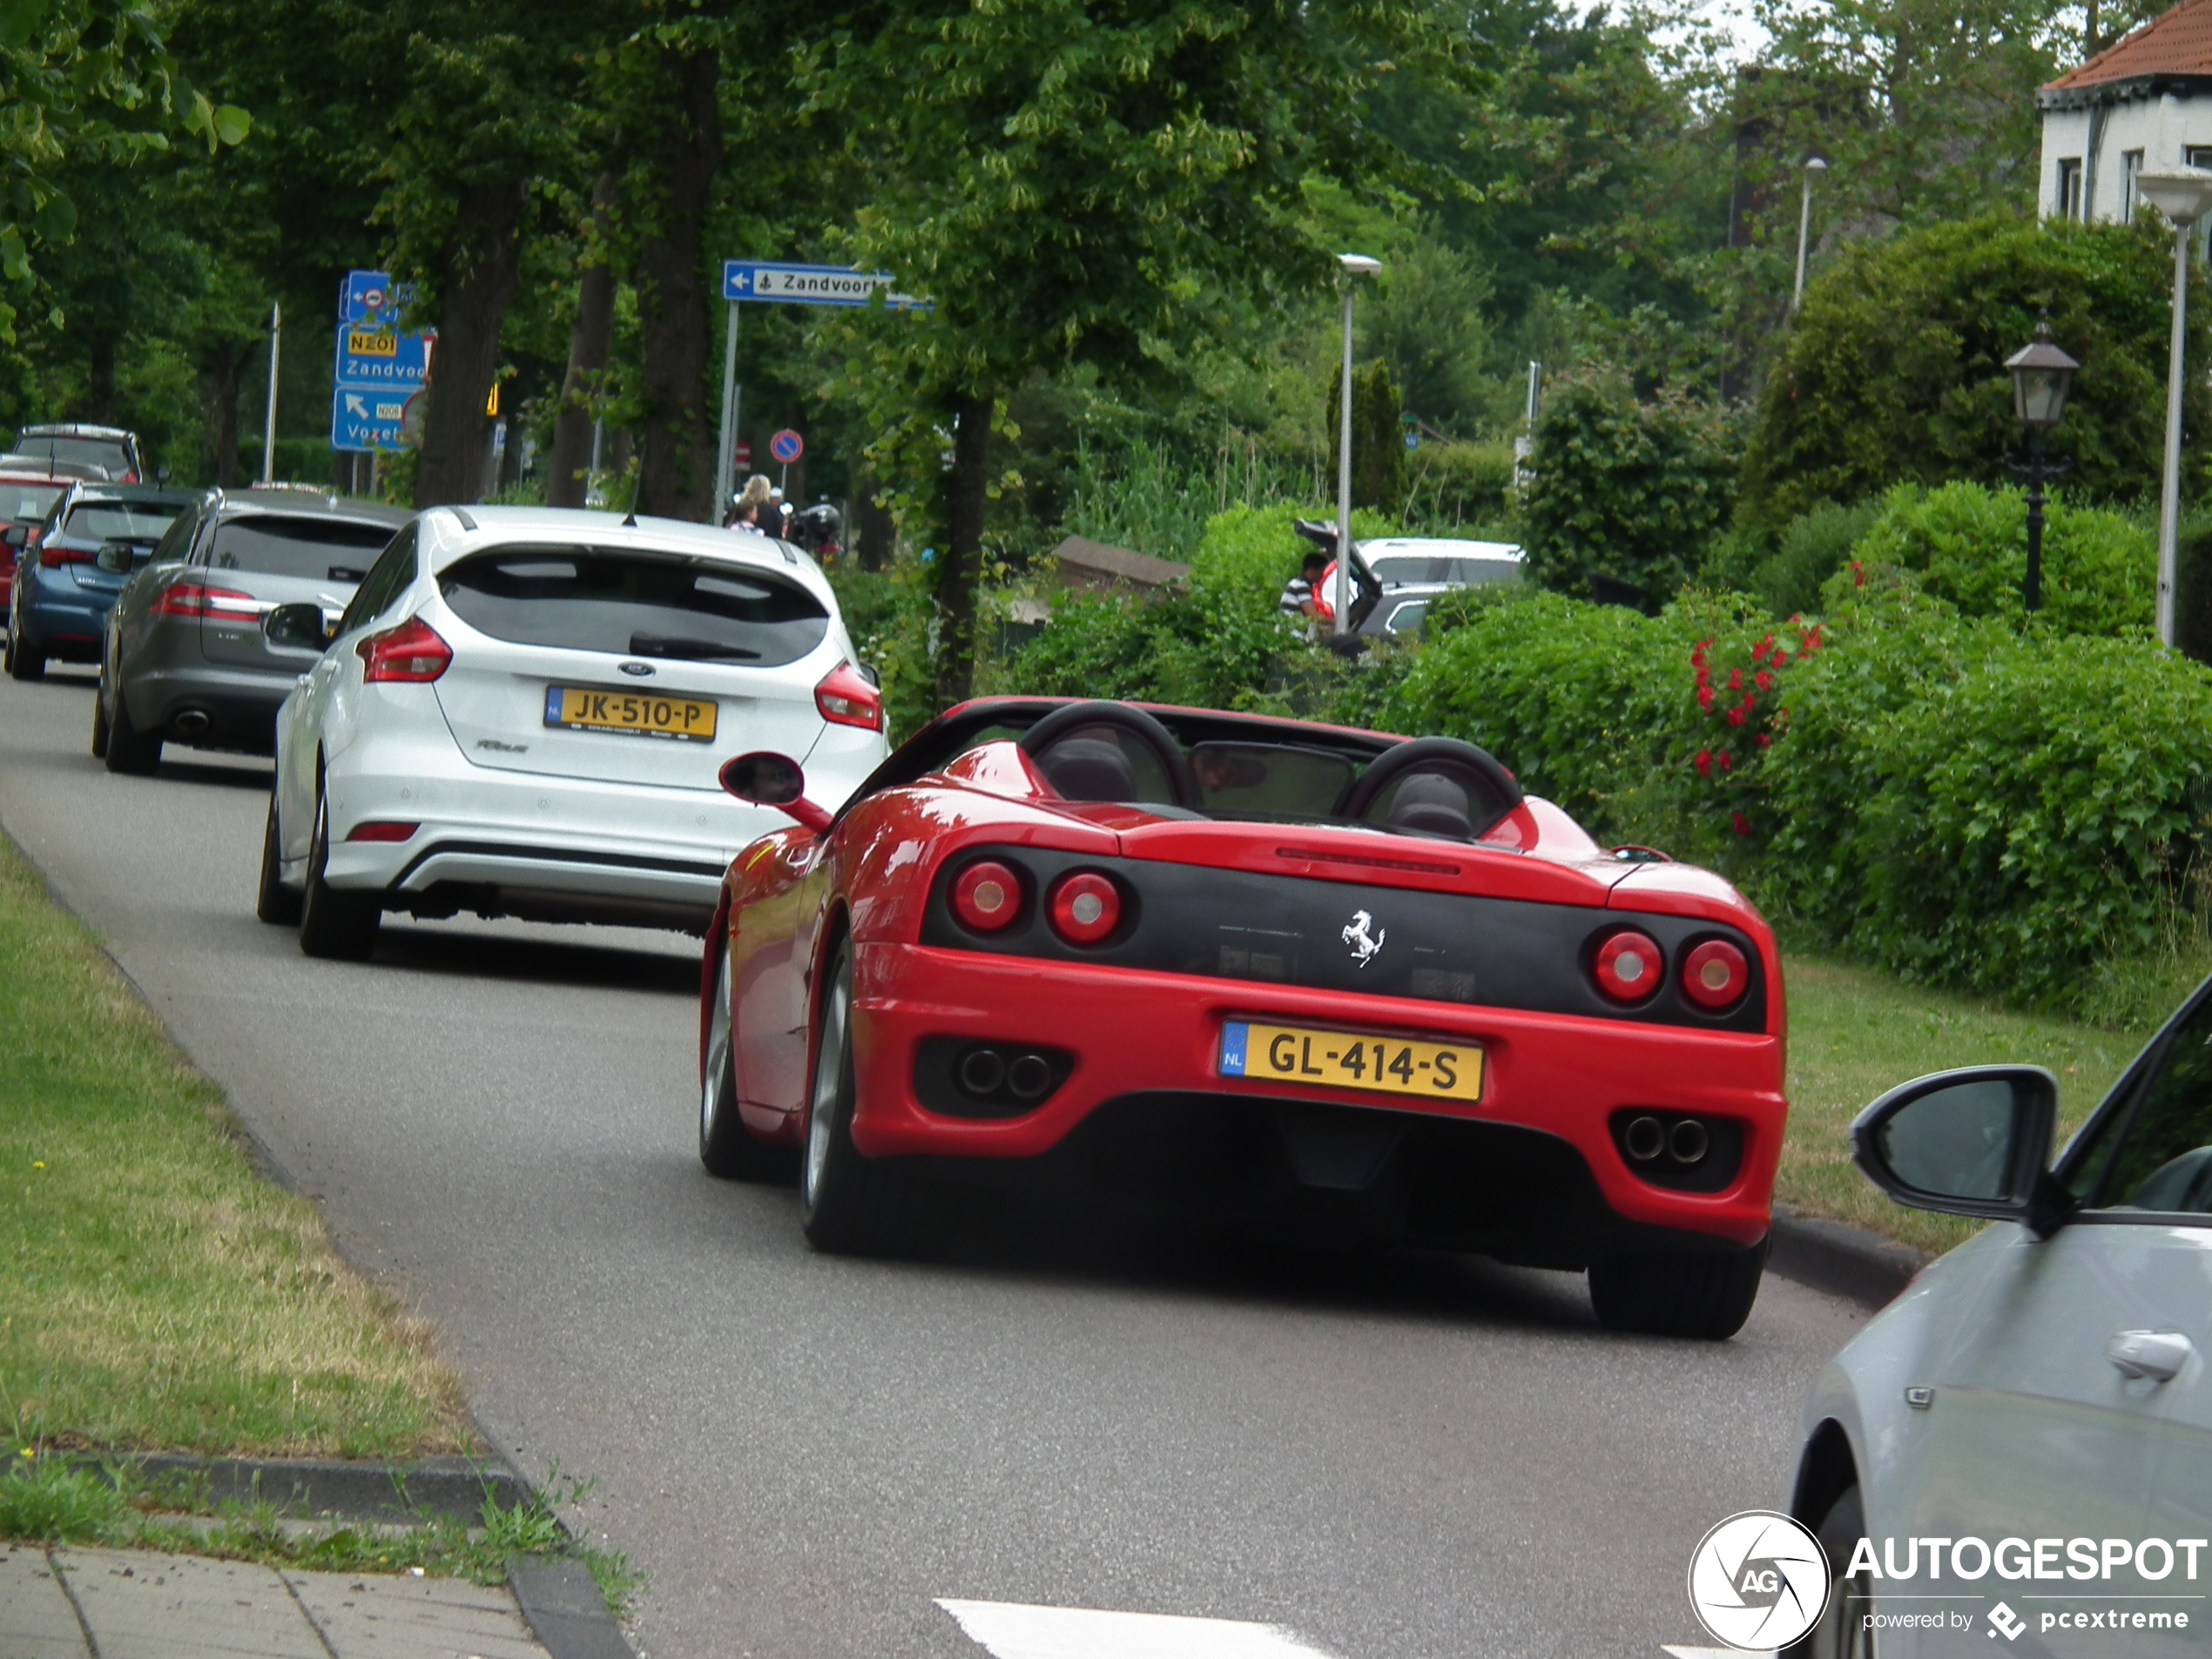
(1378, 437)
(1894, 371)
(1078, 186)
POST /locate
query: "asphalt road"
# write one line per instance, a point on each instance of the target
(1399, 1457)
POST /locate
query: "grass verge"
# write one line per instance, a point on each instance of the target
(56, 1499)
(165, 1297)
(1855, 1032)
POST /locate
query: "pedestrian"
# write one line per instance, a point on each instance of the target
(748, 511)
(1298, 592)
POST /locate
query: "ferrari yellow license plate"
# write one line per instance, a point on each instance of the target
(684, 719)
(1349, 1060)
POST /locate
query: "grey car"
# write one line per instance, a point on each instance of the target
(185, 659)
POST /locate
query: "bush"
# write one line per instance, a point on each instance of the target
(2193, 589)
(1894, 367)
(1815, 546)
(1461, 484)
(1378, 436)
(1968, 546)
(1624, 489)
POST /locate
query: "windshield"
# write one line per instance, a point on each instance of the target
(634, 605)
(106, 454)
(317, 550)
(116, 521)
(1268, 779)
(27, 503)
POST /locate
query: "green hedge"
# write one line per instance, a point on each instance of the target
(1960, 801)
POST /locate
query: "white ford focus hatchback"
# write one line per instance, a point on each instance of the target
(523, 711)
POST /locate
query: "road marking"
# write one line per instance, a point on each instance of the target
(1011, 1631)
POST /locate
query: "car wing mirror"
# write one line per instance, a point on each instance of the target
(1974, 1142)
(298, 627)
(114, 558)
(764, 779)
(16, 536)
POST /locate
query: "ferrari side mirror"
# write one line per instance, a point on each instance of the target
(766, 779)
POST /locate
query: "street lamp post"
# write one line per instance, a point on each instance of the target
(2041, 375)
(1813, 166)
(1355, 265)
(2183, 194)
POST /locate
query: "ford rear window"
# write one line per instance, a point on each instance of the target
(630, 603)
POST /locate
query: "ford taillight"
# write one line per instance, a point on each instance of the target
(410, 654)
(54, 557)
(846, 698)
(198, 599)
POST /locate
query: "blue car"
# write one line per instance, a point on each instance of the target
(65, 585)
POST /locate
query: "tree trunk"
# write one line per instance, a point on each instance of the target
(220, 370)
(676, 472)
(567, 467)
(876, 533)
(482, 262)
(964, 547)
(100, 390)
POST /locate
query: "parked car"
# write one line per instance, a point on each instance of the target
(2041, 1387)
(1249, 966)
(27, 492)
(94, 538)
(524, 712)
(106, 452)
(1404, 573)
(184, 658)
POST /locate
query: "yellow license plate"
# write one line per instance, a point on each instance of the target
(686, 720)
(1349, 1060)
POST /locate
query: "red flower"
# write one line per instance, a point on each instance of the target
(1763, 740)
(1704, 763)
(1740, 823)
(1763, 680)
(1704, 675)
(1697, 656)
(1857, 575)
(1736, 717)
(1705, 697)
(1750, 699)
(1734, 679)
(1796, 616)
(1725, 761)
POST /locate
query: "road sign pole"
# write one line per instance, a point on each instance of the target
(723, 452)
(268, 422)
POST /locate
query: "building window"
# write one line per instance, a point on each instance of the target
(2131, 163)
(2069, 202)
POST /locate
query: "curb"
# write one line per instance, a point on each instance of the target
(1843, 1260)
(345, 1490)
(561, 1599)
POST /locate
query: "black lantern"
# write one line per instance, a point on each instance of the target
(2042, 374)
(2041, 377)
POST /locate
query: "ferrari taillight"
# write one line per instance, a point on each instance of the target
(1714, 975)
(196, 599)
(411, 653)
(987, 896)
(1628, 965)
(1085, 908)
(846, 698)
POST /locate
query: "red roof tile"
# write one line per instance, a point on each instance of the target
(2175, 43)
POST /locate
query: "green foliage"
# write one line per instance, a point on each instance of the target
(2193, 589)
(1814, 547)
(1894, 368)
(1425, 321)
(888, 614)
(1625, 488)
(1378, 437)
(1968, 546)
(1456, 486)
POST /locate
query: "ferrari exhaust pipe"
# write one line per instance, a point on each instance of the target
(1688, 1142)
(1030, 1077)
(1645, 1137)
(981, 1072)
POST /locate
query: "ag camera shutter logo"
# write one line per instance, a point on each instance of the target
(1758, 1580)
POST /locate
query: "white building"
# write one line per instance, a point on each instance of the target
(2145, 101)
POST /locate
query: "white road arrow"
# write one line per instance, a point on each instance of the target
(354, 406)
(1011, 1631)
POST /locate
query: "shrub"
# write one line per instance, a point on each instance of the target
(1815, 545)
(1894, 367)
(1968, 546)
(1461, 484)
(1378, 436)
(2193, 589)
(1624, 489)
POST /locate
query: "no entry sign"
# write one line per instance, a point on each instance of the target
(743, 453)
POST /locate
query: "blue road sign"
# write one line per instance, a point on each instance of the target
(807, 285)
(787, 446)
(366, 417)
(381, 357)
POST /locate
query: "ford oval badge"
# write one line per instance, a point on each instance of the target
(639, 668)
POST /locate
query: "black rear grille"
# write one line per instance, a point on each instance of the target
(1295, 930)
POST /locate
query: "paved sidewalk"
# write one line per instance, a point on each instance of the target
(127, 1604)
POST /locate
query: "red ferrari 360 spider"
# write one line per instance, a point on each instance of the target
(1247, 966)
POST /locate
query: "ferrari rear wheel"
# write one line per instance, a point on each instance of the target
(1708, 1295)
(848, 1205)
(727, 1147)
(1840, 1634)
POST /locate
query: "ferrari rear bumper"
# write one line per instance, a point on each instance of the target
(1138, 1052)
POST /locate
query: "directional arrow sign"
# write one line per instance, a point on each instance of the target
(807, 285)
(364, 418)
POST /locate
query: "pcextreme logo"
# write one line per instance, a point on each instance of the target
(1758, 1580)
